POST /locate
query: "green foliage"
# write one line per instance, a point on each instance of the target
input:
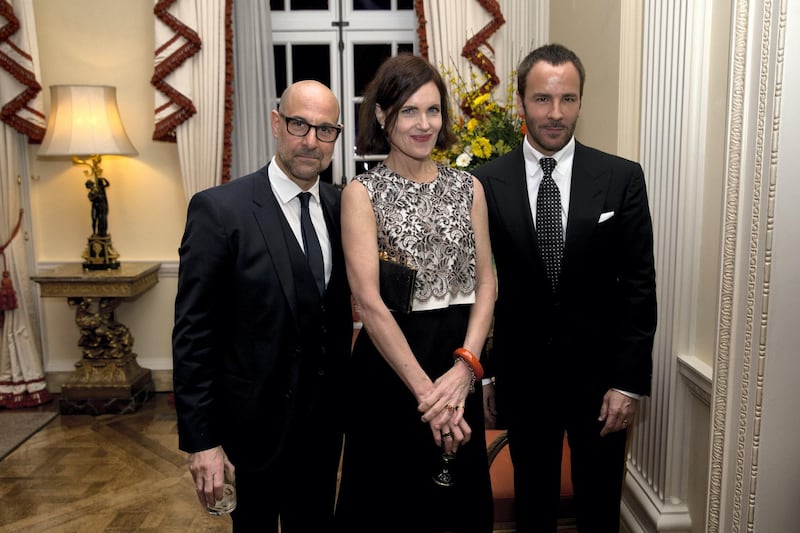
(484, 129)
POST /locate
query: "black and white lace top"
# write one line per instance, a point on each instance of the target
(427, 225)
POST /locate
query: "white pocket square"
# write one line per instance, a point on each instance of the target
(605, 216)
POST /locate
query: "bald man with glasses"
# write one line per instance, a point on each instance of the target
(263, 326)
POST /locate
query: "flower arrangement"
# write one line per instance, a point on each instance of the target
(484, 129)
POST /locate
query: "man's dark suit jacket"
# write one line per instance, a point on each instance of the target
(597, 331)
(256, 350)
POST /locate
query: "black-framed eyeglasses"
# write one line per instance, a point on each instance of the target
(298, 127)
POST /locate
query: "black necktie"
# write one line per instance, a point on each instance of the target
(548, 222)
(311, 243)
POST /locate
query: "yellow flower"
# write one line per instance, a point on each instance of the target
(484, 129)
(480, 99)
(482, 148)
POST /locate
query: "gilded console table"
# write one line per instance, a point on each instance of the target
(107, 379)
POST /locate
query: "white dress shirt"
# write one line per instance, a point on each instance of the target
(286, 192)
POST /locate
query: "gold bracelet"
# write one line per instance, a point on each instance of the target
(471, 373)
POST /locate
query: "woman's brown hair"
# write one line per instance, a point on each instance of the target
(397, 79)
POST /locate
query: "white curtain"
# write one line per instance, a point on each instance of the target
(527, 27)
(22, 381)
(451, 23)
(196, 75)
(254, 86)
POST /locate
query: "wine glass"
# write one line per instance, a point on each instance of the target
(444, 477)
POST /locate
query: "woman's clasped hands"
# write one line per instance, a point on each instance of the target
(443, 408)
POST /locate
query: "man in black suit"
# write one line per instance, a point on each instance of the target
(576, 310)
(258, 350)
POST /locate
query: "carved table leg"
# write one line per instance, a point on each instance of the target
(107, 379)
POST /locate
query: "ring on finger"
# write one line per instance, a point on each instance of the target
(450, 407)
(447, 434)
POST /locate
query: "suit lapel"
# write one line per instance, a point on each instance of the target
(269, 218)
(587, 195)
(511, 191)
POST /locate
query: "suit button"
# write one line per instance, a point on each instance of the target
(298, 351)
(289, 394)
(320, 372)
(323, 350)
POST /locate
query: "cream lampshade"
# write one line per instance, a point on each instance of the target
(84, 124)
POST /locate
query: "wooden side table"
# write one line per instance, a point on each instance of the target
(107, 379)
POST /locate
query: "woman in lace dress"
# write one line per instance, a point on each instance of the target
(412, 382)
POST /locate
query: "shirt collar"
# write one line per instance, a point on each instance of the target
(562, 157)
(285, 189)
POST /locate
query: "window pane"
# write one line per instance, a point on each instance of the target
(371, 4)
(385, 5)
(356, 108)
(363, 166)
(276, 5)
(405, 47)
(279, 55)
(300, 5)
(311, 62)
(366, 60)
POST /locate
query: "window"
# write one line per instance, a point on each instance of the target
(340, 43)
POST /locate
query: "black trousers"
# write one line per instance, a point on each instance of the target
(300, 492)
(597, 465)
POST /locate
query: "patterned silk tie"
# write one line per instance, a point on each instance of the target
(548, 222)
(311, 243)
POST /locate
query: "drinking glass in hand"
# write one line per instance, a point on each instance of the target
(444, 477)
(228, 501)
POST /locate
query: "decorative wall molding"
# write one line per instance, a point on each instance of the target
(758, 50)
(673, 134)
(630, 76)
(644, 509)
(697, 377)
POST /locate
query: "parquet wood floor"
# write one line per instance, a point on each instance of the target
(110, 473)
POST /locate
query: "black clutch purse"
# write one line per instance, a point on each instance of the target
(396, 284)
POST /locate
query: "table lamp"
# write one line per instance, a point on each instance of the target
(84, 124)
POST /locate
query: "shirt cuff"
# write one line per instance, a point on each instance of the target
(487, 381)
(630, 394)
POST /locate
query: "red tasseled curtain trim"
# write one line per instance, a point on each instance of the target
(9, 112)
(471, 50)
(227, 148)
(476, 57)
(422, 34)
(12, 400)
(165, 129)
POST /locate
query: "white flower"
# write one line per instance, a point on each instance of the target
(462, 161)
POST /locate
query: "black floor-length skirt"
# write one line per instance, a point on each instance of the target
(390, 456)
